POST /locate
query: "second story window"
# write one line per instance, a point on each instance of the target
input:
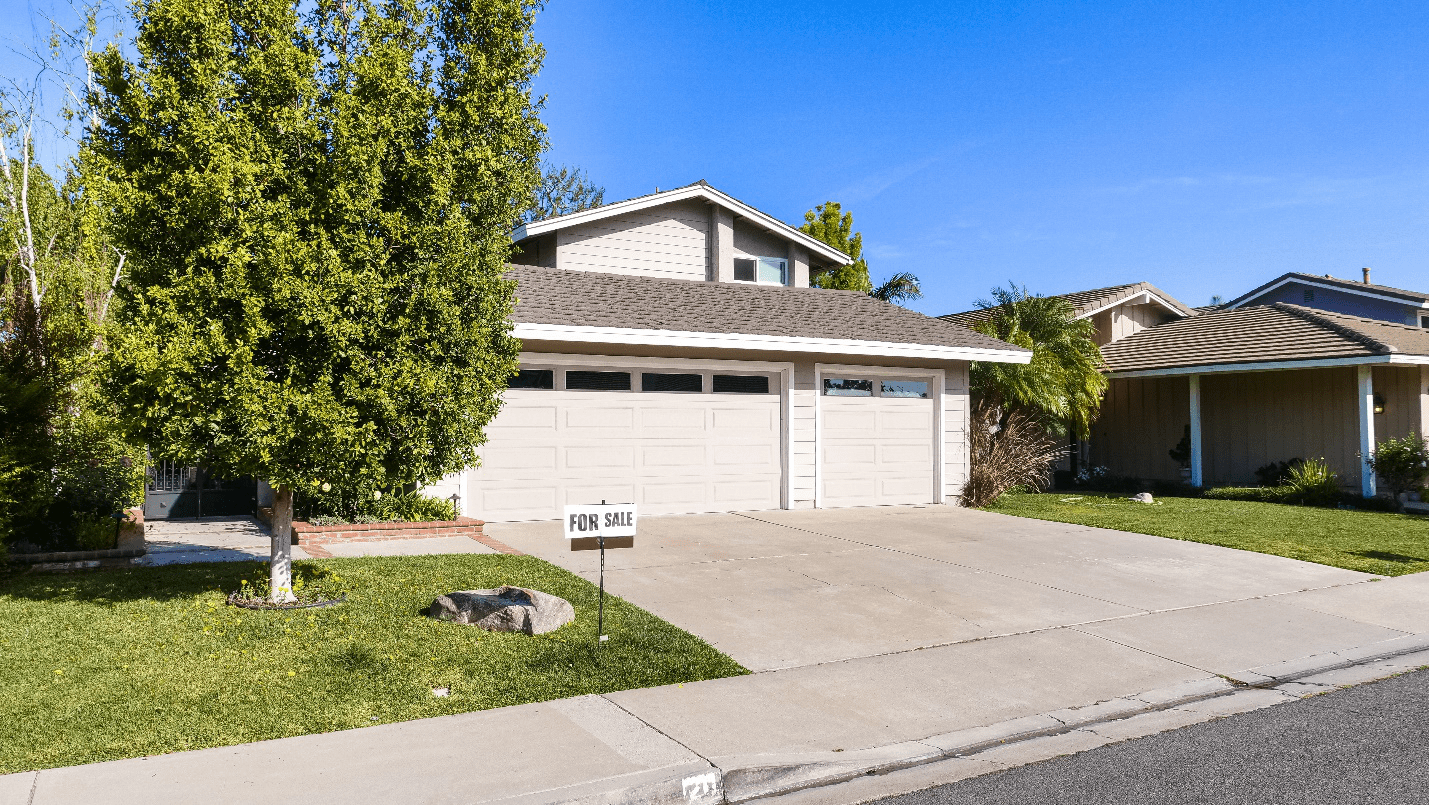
(763, 270)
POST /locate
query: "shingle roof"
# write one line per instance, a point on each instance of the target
(593, 299)
(1263, 333)
(1084, 302)
(1416, 297)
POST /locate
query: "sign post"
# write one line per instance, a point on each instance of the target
(597, 527)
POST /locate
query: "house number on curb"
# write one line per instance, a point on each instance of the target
(589, 528)
(701, 785)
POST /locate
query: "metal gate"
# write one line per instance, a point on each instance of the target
(173, 490)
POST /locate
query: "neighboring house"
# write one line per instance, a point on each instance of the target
(675, 356)
(1341, 296)
(1261, 384)
(1118, 312)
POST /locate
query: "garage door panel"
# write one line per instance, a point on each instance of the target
(574, 494)
(594, 419)
(518, 417)
(845, 420)
(683, 419)
(738, 494)
(519, 458)
(604, 456)
(673, 455)
(845, 456)
(516, 503)
(762, 417)
(661, 496)
(919, 454)
(752, 456)
(912, 422)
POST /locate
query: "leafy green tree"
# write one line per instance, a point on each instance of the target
(1063, 385)
(828, 222)
(563, 191)
(317, 200)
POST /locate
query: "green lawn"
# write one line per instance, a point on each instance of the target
(124, 663)
(1373, 542)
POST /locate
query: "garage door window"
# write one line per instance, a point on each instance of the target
(741, 384)
(903, 388)
(846, 387)
(598, 381)
(655, 381)
(533, 379)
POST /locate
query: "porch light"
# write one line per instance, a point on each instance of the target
(1378, 403)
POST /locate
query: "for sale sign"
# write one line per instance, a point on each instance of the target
(587, 525)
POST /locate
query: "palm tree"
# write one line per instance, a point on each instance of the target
(898, 288)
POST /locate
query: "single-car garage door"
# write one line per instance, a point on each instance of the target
(877, 439)
(670, 441)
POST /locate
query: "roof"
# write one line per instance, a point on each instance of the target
(1265, 336)
(698, 190)
(1362, 288)
(562, 305)
(1087, 303)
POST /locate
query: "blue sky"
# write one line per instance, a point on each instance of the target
(1204, 147)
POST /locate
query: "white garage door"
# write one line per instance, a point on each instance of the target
(877, 442)
(583, 435)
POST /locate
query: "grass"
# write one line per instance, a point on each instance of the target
(1372, 542)
(124, 663)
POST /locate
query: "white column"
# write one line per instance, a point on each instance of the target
(1367, 443)
(1197, 460)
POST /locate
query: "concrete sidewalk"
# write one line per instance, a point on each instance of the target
(1101, 636)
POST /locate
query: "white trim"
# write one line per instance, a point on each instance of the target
(1270, 366)
(1244, 300)
(562, 358)
(1147, 298)
(705, 192)
(769, 343)
(1198, 459)
(1367, 444)
(937, 385)
(786, 435)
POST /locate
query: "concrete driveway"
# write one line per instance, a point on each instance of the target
(784, 589)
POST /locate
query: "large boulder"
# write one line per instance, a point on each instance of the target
(505, 609)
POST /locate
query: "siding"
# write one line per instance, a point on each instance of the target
(1122, 321)
(956, 408)
(1403, 401)
(751, 241)
(1340, 302)
(1141, 420)
(803, 436)
(667, 241)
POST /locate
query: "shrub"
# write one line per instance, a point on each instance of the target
(358, 504)
(1276, 473)
(1313, 482)
(1015, 451)
(1402, 463)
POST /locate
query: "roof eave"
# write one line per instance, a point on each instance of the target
(752, 342)
(1272, 366)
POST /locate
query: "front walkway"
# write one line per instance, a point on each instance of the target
(245, 539)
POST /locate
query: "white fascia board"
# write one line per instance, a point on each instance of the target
(682, 194)
(770, 343)
(1139, 298)
(1272, 366)
(1245, 300)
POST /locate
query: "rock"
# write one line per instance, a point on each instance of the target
(1142, 497)
(505, 609)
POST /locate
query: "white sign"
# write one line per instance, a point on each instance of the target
(600, 520)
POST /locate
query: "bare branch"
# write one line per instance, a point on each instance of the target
(104, 309)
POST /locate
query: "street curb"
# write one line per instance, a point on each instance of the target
(755, 777)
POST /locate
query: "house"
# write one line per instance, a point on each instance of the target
(1118, 312)
(674, 355)
(1260, 384)
(1341, 296)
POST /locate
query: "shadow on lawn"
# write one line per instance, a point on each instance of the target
(112, 586)
(1386, 556)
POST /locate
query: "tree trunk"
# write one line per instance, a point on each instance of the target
(280, 569)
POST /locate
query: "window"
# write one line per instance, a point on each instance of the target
(763, 270)
(904, 388)
(741, 384)
(598, 381)
(653, 381)
(1309, 295)
(533, 379)
(840, 387)
(1424, 322)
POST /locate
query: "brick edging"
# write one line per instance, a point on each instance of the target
(313, 537)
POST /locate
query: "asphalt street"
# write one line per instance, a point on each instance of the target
(1359, 746)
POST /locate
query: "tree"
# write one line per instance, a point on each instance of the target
(317, 201)
(1058, 392)
(828, 223)
(563, 191)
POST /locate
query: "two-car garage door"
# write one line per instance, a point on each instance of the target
(672, 442)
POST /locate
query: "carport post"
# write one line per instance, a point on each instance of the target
(1196, 454)
(1367, 445)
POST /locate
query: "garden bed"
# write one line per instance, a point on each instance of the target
(140, 661)
(314, 537)
(1368, 541)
